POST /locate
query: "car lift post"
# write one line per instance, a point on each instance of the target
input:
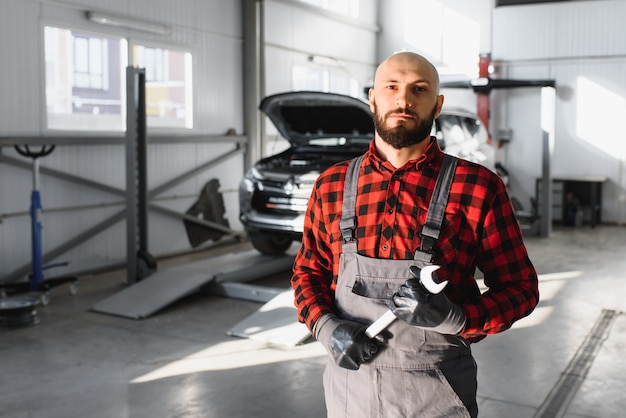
(139, 262)
(482, 86)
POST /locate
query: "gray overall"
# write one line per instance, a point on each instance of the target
(419, 373)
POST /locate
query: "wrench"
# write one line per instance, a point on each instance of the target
(426, 279)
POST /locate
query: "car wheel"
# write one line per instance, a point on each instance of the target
(270, 244)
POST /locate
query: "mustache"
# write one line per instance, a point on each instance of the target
(405, 111)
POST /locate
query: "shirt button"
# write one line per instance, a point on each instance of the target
(396, 177)
(385, 246)
(390, 211)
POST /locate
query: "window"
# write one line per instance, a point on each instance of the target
(86, 82)
(344, 7)
(321, 79)
(305, 78)
(169, 101)
(342, 84)
(89, 63)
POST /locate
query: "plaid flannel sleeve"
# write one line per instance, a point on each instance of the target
(509, 274)
(312, 278)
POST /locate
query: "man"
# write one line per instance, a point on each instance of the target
(365, 242)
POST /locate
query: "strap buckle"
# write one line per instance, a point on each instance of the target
(346, 227)
(428, 237)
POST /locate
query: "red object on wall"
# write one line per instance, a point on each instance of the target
(484, 61)
(482, 99)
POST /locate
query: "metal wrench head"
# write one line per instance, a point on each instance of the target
(426, 279)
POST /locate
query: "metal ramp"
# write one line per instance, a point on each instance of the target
(222, 274)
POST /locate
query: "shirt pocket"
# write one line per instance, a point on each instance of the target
(447, 247)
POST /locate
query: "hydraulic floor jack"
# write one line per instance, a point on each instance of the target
(37, 282)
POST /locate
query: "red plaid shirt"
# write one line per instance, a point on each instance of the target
(480, 231)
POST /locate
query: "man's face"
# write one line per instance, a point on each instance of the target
(405, 100)
(401, 135)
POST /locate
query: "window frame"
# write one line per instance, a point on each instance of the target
(190, 101)
(328, 78)
(126, 57)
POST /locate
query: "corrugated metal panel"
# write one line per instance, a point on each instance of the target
(20, 51)
(301, 31)
(524, 32)
(591, 28)
(211, 30)
(568, 29)
(84, 207)
(219, 81)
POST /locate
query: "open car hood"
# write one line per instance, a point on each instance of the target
(304, 115)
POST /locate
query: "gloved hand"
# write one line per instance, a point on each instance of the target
(346, 341)
(418, 307)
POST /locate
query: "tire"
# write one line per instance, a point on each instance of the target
(270, 244)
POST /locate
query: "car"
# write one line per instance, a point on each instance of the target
(324, 129)
(460, 133)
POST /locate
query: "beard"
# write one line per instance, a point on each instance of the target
(400, 136)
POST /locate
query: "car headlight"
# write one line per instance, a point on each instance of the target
(246, 187)
(254, 174)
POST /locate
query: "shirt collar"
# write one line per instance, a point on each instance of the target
(432, 154)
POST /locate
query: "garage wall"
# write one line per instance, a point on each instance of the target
(293, 32)
(297, 34)
(581, 46)
(450, 33)
(212, 31)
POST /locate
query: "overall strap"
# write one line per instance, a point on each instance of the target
(436, 209)
(348, 213)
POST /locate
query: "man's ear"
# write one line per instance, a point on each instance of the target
(370, 95)
(439, 105)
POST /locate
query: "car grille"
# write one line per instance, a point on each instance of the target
(269, 202)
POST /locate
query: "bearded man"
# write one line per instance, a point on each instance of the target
(373, 225)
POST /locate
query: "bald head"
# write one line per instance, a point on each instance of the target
(405, 101)
(407, 63)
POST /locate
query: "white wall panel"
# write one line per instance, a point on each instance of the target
(558, 30)
(298, 30)
(524, 32)
(581, 45)
(218, 76)
(20, 50)
(451, 33)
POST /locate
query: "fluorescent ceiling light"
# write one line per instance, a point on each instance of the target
(323, 60)
(124, 22)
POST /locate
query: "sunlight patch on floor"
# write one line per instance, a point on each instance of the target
(230, 355)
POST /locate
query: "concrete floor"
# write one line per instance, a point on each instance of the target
(566, 359)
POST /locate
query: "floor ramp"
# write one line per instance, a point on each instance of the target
(170, 284)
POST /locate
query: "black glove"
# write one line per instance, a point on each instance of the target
(346, 341)
(418, 307)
